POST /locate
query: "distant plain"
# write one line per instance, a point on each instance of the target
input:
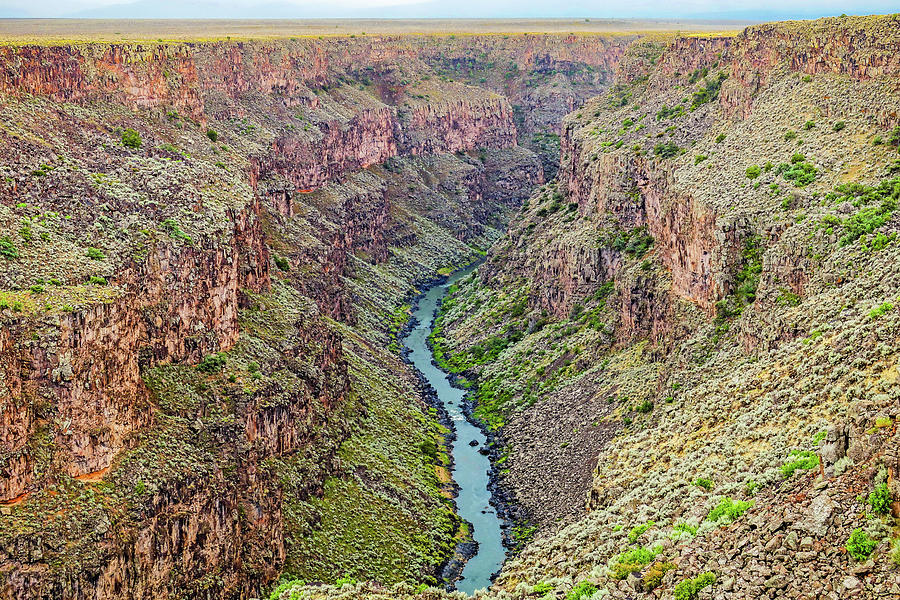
(18, 31)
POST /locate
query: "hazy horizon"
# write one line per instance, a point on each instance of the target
(434, 9)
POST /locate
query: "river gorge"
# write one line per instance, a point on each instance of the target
(471, 467)
(672, 374)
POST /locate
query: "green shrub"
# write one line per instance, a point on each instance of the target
(880, 311)
(799, 171)
(131, 139)
(212, 134)
(282, 263)
(8, 249)
(638, 245)
(685, 528)
(669, 113)
(667, 150)
(860, 545)
(644, 407)
(97, 280)
(704, 483)
(212, 363)
(429, 449)
(37, 289)
(880, 499)
(582, 591)
(284, 586)
(698, 74)
(720, 138)
(790, 135)
(729, 509)
(881, 202)
(750, 487)
(753, 171)
(878, 242)
(541, 588)
(709, 91)
(654, 575)
(635, 242)
(894, 136)
(689, 589)
(631, 561)
(95, 254)
(638, 531)
(839, 125)
(787, 298)
(172, 227)
(42, 171)
(700, 158)
(809, 125)
(804, 459)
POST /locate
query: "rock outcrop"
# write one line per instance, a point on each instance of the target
(696, 304)
(209, 244)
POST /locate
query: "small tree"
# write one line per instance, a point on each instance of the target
(131, 139)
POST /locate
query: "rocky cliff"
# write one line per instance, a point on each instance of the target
(684, 344)
(681, 331)
(206, 252)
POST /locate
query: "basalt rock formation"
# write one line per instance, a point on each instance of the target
(690, 328)
(206, 253)
(684, 344)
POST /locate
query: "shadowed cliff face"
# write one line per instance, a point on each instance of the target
(206, 252)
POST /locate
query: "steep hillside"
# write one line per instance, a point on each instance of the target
(207, 253)
(690, 357)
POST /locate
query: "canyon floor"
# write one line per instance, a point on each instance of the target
(682, 342)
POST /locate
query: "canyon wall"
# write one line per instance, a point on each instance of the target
(852, 47)
(173, 390)
(178, 304)
(690, 310)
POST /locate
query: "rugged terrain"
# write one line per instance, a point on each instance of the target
(692, 358)
(684, 345)
(208, 250)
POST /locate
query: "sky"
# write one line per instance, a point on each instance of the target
(735, 9)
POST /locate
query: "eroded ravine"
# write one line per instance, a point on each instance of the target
(471, 468)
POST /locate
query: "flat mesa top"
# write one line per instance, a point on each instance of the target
(127, 30)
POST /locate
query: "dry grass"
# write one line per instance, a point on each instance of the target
(55, 31)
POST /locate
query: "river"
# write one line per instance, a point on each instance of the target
(471, 469)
